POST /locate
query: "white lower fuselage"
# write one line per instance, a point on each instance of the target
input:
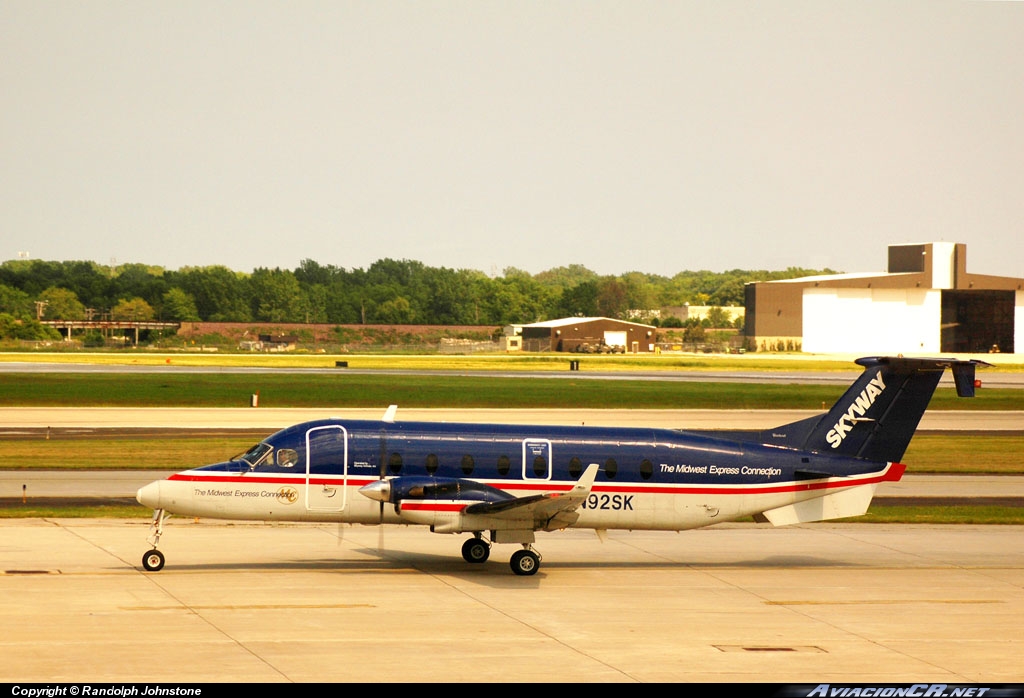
(327, 498)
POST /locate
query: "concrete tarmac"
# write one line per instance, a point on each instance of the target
(839, 603)
(253, 602)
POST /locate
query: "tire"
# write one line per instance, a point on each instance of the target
(525, 563)
(153, 561)
(476, 550)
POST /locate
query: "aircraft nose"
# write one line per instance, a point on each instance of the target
(379, 490)
(149, 496)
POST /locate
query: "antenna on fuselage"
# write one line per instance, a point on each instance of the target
(389, 414)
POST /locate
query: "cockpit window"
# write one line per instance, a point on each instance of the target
(287, 457)
(255, 455)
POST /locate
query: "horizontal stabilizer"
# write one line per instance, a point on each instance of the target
(838, 505)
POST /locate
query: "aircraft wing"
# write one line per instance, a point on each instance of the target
(549, 510)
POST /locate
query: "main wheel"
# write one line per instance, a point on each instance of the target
(476, 550)
(153, 561)
(525, 562)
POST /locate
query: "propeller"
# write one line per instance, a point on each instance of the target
(389, 417)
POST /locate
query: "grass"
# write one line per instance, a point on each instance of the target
(975, 454)
(147, 453)
(373, 390)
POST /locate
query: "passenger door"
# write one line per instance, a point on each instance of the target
(536, 459)
(326, 468)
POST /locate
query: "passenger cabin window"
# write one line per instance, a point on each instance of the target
(504, 465)
(646, 469)
(431, 464)
(467, 464)
(540, 466)
(611, 468)
(575, 468)
(395, 463)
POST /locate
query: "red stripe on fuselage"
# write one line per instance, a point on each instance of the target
(892, 473)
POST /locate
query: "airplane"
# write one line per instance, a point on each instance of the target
(503, 483)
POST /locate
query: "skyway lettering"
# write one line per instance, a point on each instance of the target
(917, 690)
(856, 409)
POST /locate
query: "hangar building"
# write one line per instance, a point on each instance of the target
(927, 302)
(570, 334)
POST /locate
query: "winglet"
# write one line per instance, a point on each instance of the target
(586, 481)
(389, 414)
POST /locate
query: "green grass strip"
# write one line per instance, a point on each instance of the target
(300, 390)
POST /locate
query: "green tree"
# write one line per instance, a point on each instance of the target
(16, 302)
(694, 332)
(396, 311)
(611, 298)
(718, 318)
(133, 310)
(179, 306)
(62, 304)
(12, 327)
(566, 277)
(276, 296)
(581, 299)
(220, 294)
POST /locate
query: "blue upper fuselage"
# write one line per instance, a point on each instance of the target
(373, 449)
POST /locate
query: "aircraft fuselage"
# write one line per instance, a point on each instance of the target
(647, 479)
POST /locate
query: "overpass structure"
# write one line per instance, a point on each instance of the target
(107, 327)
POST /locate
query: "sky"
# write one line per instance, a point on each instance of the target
(631, 135)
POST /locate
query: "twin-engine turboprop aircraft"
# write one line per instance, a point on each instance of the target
(502, 483)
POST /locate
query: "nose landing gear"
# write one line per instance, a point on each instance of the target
(153, 560)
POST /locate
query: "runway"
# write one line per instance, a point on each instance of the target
(296, 603)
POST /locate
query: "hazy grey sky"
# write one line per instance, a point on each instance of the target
(622, 135)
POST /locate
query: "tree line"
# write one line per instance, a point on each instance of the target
(388, 292)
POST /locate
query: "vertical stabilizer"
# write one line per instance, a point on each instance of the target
(877, 416)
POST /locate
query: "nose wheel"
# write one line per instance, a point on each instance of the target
(153, 561)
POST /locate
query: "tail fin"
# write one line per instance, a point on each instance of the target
(877, 416)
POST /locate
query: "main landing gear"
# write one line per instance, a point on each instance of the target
(524, 562)
(153, 560)
(476, 550)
